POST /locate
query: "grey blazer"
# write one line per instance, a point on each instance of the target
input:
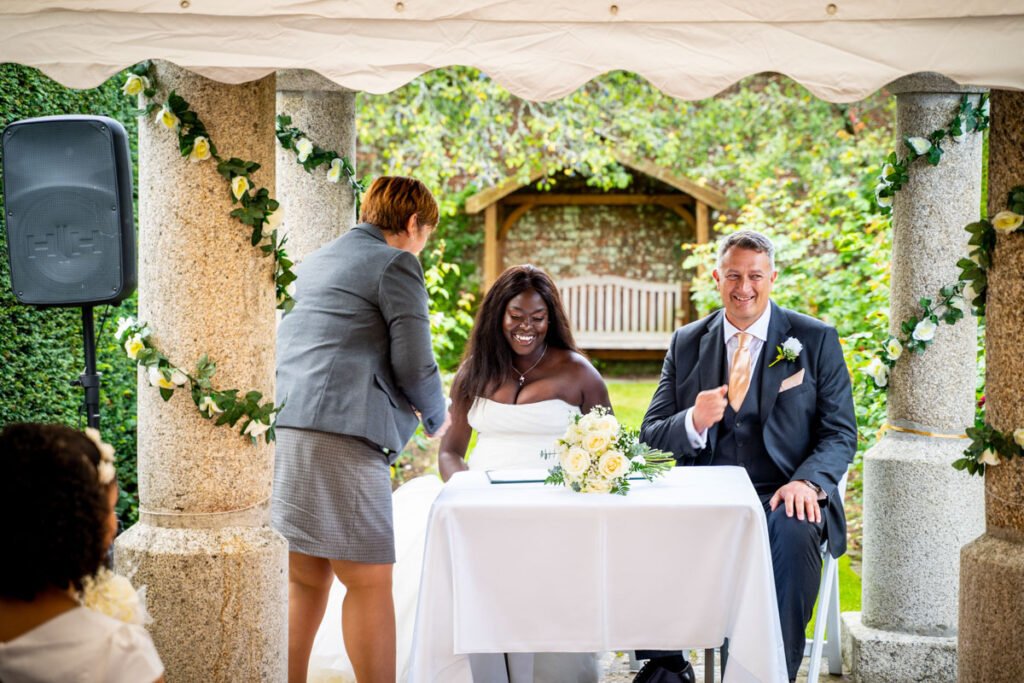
(354, 355)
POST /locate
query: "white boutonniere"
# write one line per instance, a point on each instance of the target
(790, 350)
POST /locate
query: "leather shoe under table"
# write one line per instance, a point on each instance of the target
(653, 672)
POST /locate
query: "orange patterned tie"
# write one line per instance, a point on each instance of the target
(739, 374)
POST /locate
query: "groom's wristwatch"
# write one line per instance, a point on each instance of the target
(817, 489)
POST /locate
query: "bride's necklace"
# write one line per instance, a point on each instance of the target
(524, 373)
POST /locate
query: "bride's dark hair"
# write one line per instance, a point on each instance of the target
(488, 357)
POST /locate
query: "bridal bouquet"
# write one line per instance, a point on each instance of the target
(596, 455)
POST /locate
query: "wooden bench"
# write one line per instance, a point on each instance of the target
(623, 318)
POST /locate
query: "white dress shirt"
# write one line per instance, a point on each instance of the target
(758, 332)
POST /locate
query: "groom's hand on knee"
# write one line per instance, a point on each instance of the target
(709, 408)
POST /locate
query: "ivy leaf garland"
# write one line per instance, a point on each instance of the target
(310, 156)
(896, 171)
(257, 209)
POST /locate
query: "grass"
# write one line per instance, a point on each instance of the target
(630, 400)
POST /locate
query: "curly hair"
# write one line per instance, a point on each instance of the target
(50, 485)
(488, 357)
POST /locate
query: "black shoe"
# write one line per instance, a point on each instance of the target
(654, 672)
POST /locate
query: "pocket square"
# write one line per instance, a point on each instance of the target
(793, 380)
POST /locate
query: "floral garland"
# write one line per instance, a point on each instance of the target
(227, 406)
(974, 269)
(310, 156)
(112, 594)
(917, 332)
(896, 171)
(257, 210)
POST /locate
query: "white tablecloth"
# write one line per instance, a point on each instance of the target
(679, 563)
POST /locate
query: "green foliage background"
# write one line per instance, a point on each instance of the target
(41, 350)
(795, 167)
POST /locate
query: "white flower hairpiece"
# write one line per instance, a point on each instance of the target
(112, 594)
(106, 467)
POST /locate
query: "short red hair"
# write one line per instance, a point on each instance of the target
(392, 199)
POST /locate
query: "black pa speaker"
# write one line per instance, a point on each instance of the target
(68, 209)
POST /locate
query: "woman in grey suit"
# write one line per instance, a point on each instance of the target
(356, 373)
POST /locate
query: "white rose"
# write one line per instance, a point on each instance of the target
(334, 172)
(989, 457)
(919, 145)
(969, 294)
(887, 171)
(255, 428)
(595, 441)
(613, 465)
(879, 372)
(884, 202)
(157, 379)
(133, 346)
(178, 378)
(597, 485)
(135, 85)
(792, 347)
(200, 149)
(239, 186)
(208, 405)
(167, 118)
(575, 461)
(924, 330)
(274, 220)
(1018, 436)
(1007, 221)
(122, 326)
(587, 422)
(893, 348)
(304, 148)
(608, 425)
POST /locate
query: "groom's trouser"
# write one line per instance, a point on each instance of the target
(796, 560)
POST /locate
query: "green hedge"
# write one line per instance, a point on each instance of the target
(41, 350)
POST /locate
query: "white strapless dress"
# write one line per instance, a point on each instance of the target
(508, 437)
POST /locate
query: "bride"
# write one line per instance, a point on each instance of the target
(519, 382)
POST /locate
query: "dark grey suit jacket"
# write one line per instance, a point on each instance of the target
(810, 431)
(354, 355)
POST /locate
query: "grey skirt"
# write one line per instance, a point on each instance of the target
(332, 497)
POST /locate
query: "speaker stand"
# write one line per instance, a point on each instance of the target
(90, 379)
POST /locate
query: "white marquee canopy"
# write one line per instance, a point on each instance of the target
(538, 49)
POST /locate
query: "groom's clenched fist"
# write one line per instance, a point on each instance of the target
(709, 407)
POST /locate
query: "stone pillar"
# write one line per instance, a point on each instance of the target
(215, 572)
(918, 510)
(992, 567)
(315, 211)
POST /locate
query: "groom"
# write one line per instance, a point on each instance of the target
(764, 388)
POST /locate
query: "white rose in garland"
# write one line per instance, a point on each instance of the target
(925, 330)
(334, 172)
(158, 379)
(303, 147)
(989, 457)
(168, 119)
(1007, 221)
(200, 150)
(919, 145)
(1018, 437)
(209, 407)
(256, 428)
(133, 346)
(135, 85)
(878, 372)
(893, 349)
(239, 186)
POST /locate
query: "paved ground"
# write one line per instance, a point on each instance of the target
(616, 670)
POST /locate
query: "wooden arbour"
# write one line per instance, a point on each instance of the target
(502, 208)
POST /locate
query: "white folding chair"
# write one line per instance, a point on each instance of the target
(827, 619)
